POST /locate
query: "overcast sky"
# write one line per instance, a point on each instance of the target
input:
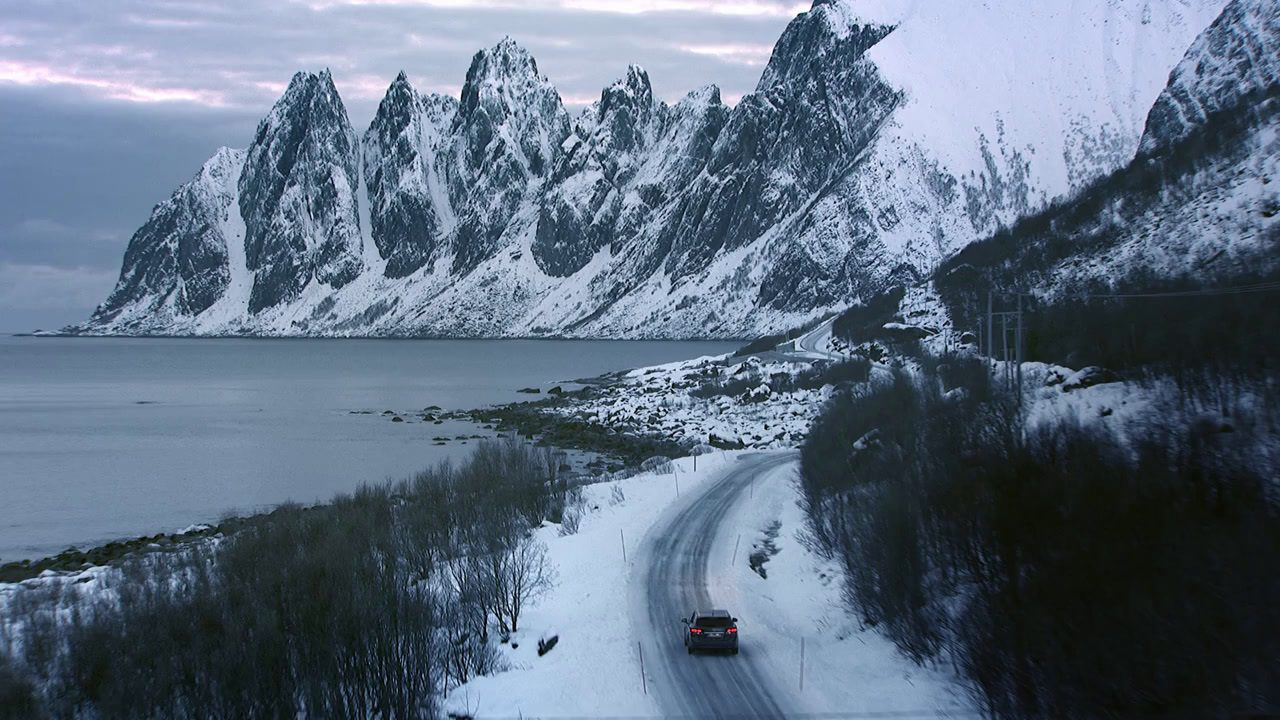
(109, 106)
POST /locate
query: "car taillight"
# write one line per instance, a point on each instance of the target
(694, 630)
(733, 630)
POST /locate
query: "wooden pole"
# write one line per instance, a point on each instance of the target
(991, 329)
(1004, 344)
(1019, 350)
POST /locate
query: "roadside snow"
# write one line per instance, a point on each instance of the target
(847, 669)
(594, 669)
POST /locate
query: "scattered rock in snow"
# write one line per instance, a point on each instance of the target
(1088, 377)
(545, 644)
(902, 331)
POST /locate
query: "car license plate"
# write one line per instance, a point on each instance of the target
(715, 635)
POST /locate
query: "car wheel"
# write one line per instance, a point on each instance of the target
(735, 651)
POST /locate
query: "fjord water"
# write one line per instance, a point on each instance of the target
(110, 438)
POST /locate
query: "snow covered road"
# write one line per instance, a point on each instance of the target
(694, 535)
(674, 581)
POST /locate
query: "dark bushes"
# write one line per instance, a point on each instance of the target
(370, 606)
(862, 323)
(769, 342)
(1068, 571)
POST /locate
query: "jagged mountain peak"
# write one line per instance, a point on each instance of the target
(829, 28)
(634, 89)
(505, 60)
(706, 95)
(399, 105)
(297, 194)
(505, 100)
(883, 135)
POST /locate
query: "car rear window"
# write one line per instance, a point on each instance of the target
(714, 622)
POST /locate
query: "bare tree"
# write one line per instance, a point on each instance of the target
(528, 576)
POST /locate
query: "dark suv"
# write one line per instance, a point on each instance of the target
(711, 630)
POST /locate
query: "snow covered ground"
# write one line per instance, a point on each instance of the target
(661, 401)
(594, 669)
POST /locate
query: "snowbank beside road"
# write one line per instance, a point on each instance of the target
(594, 669)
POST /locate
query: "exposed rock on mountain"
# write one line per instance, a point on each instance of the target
(176, 263)
(297, 195)
(509, 129)
(1199, 207)
(411, 213)
(881, 138)
(1236, 57)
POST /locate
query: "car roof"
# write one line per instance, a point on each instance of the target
(712, 613)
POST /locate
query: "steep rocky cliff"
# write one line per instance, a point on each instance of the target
(881, 138)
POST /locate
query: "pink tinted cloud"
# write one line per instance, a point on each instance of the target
(32, 74)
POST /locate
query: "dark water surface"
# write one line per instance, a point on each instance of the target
(102, 439)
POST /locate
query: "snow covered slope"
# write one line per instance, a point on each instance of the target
(177, 263)
(1199, 203)
(882, 137)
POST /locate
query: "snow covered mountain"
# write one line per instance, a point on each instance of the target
(882, 137)
(1199, 205)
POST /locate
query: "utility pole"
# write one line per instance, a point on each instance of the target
(1021, 359)
(1004, 344)
(991, 343)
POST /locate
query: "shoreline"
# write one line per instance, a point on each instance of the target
(528, 420)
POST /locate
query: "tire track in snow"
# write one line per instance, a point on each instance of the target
(674, 582)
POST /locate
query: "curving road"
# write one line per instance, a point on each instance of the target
(815, 341)
(673, 581)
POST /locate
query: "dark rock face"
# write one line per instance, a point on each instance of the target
(497, 214)
(817, 106)
(400, 170)
(508, 132)
(1237, 56)
(180, 254)
(579, 214)
(297, 195)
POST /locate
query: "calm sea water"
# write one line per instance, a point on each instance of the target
(102, 439)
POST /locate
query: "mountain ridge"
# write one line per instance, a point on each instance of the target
(497, 214)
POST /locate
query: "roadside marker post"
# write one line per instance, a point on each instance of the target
(801, 664)
(643, 684)
(734, 561)
(624, 546)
